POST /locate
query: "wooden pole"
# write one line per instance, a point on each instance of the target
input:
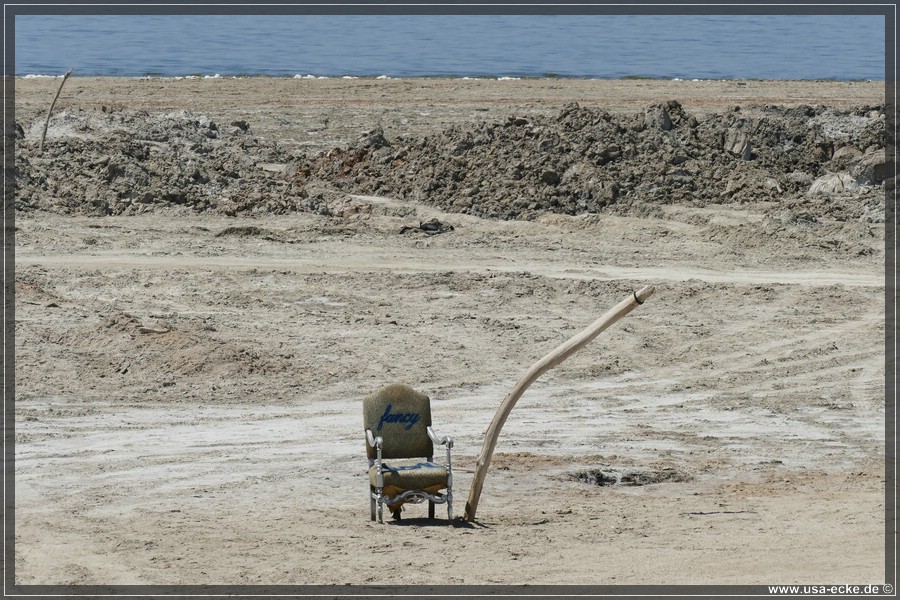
(561, 353)
(49, 112)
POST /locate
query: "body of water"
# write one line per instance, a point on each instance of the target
(848, 47)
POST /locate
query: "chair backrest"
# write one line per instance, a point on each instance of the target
(400, 415)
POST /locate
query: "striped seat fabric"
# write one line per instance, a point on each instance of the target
(411, 475)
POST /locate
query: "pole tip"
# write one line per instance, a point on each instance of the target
(642, 294)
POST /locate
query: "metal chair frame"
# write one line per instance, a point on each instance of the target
(377, 498)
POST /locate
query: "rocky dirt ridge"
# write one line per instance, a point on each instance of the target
(587, 160)
(815, 162)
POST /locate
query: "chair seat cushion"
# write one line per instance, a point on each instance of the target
(410, 475)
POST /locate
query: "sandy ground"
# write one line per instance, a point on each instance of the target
(188, 386)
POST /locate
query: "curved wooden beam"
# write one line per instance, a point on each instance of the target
(561, 353)
(50, 112)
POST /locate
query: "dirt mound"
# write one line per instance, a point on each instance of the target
(581, 160)
(587, 161)
(122, 162)
(125, 346)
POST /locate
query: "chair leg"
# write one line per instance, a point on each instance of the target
(377, 500)
(430, 509)
(449, 505)
(371, 504)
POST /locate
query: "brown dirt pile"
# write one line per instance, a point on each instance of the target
(588, 160)
(815, 161)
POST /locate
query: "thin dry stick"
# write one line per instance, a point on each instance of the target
(561, 353)
(52, 104)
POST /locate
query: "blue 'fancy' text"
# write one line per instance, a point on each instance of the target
(388, 417)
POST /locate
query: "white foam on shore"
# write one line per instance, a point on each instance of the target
(502, 78)
(378, 77)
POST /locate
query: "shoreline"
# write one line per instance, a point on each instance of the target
(546, 77)
(304, 111)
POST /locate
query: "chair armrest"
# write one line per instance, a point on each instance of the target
(439, 441)
(375, 442)
(444, 441)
